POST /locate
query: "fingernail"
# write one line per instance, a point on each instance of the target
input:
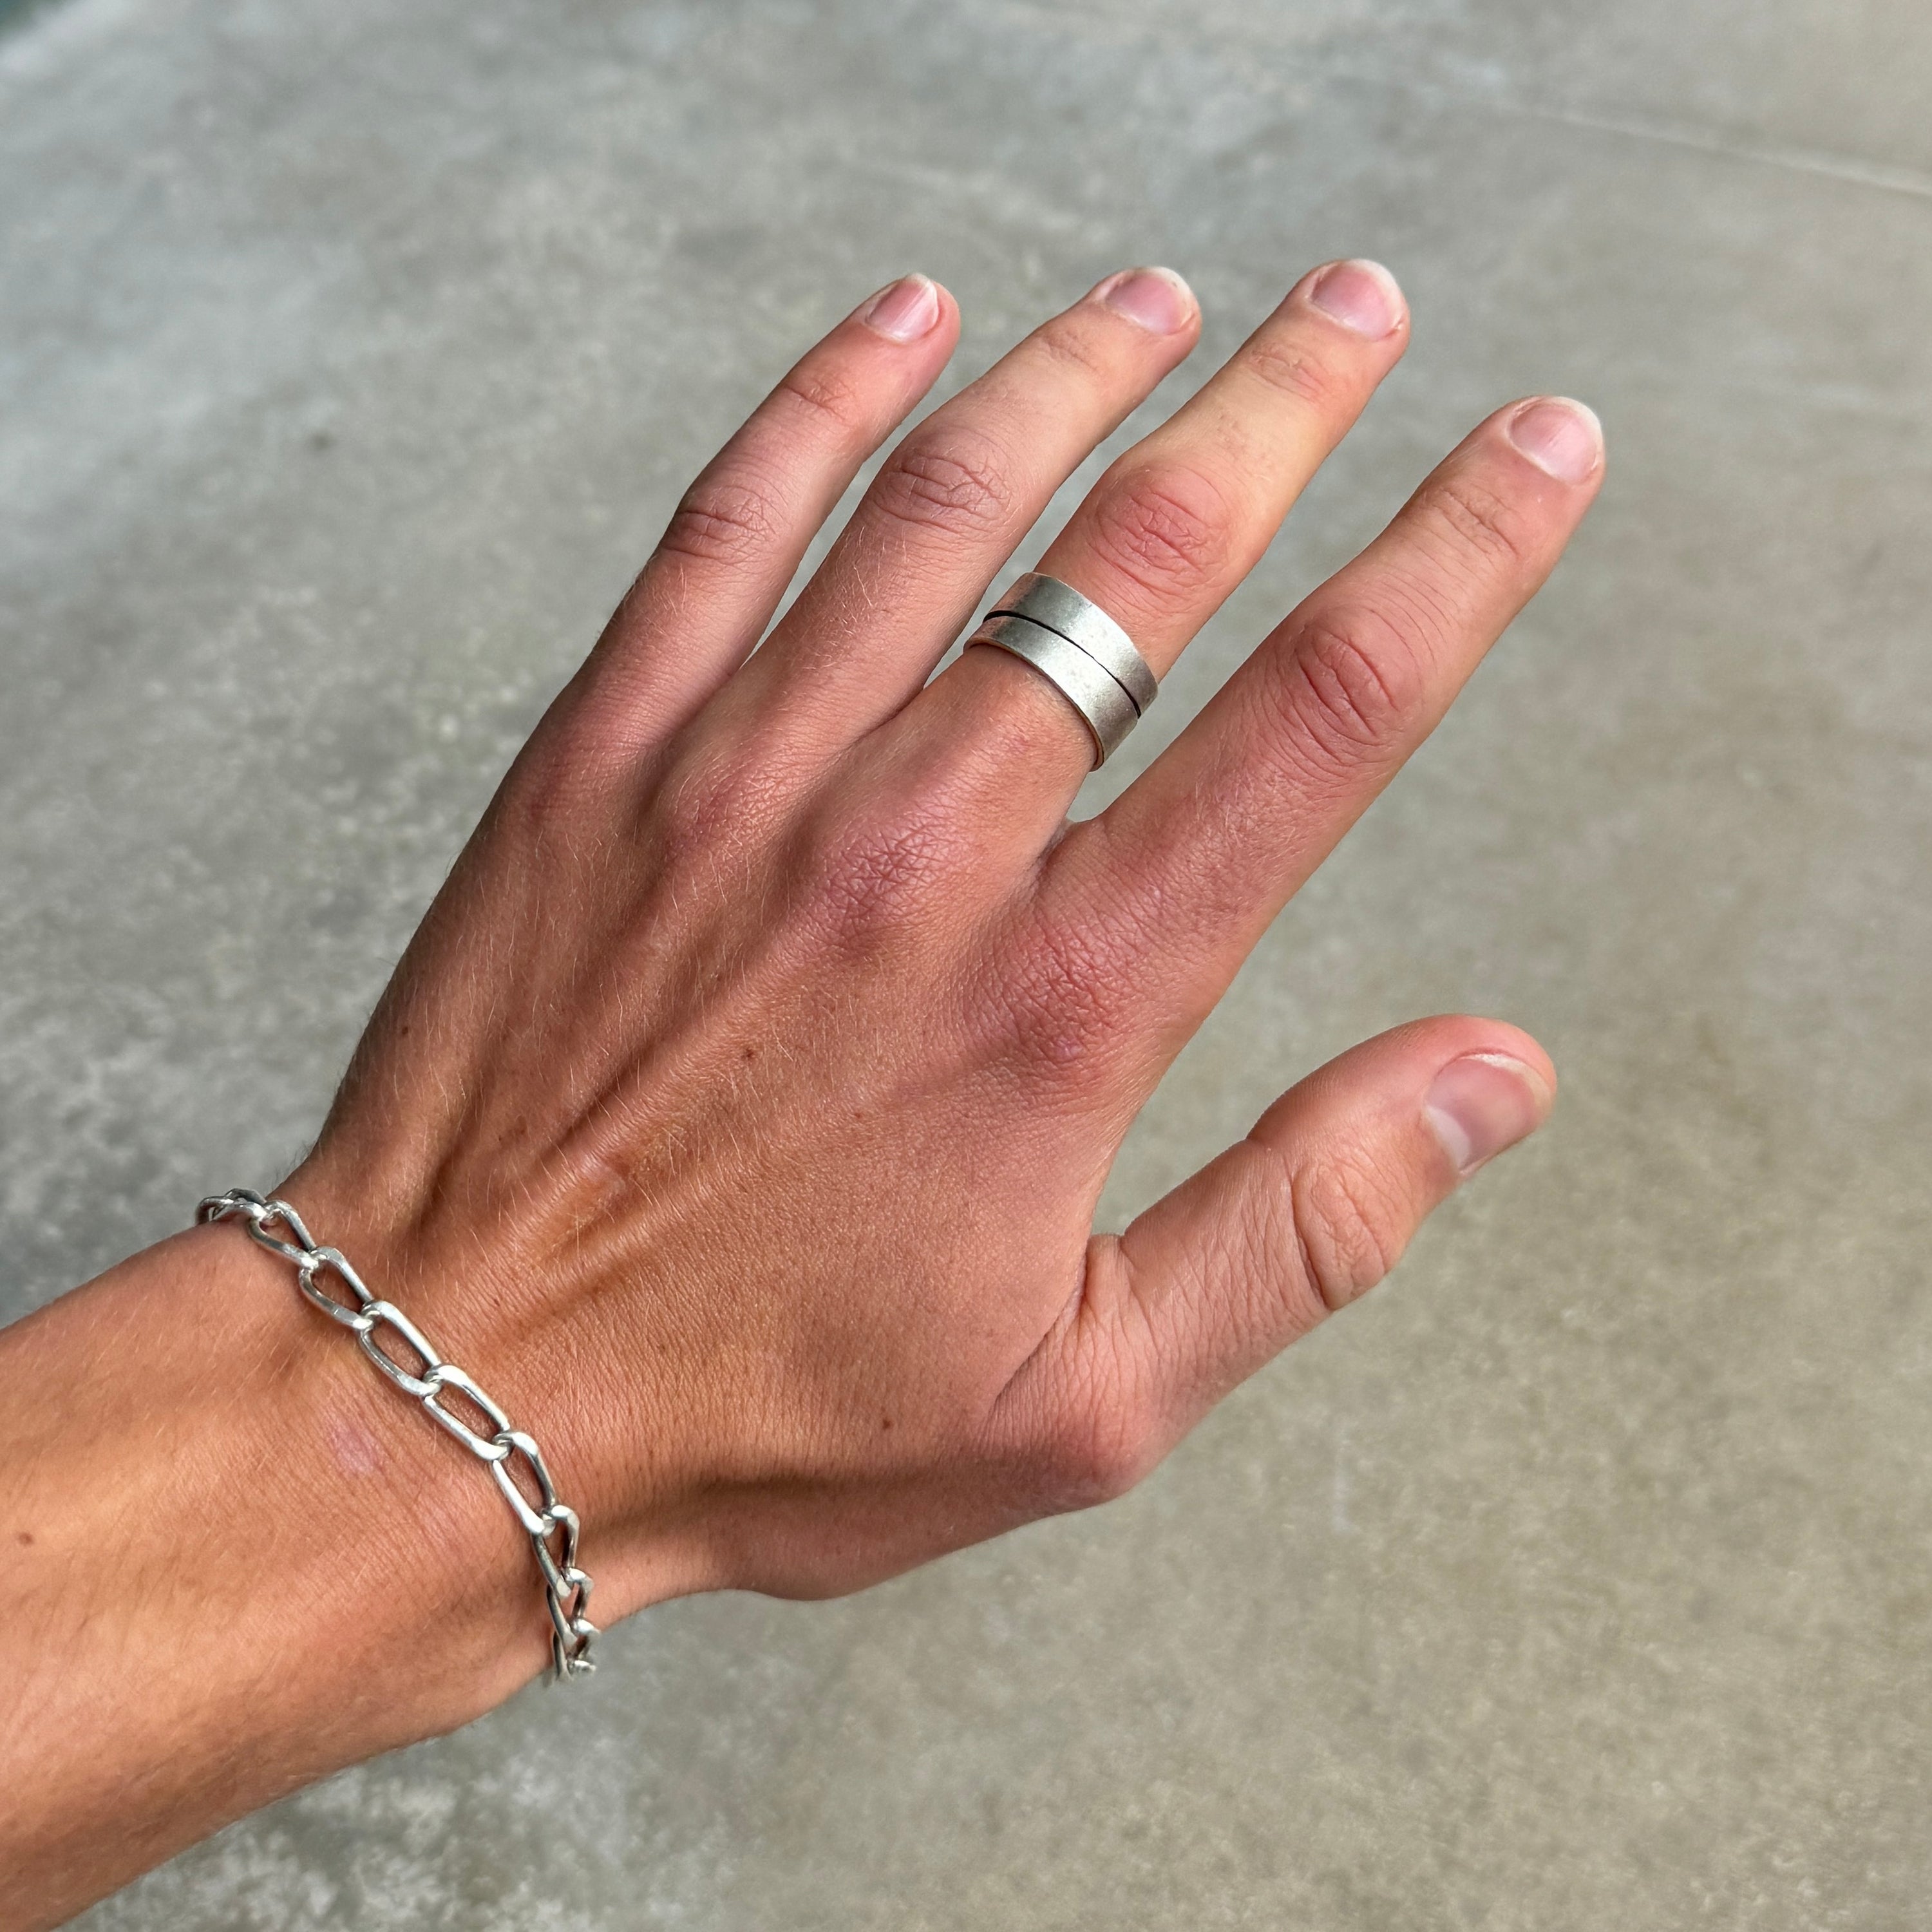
(903, 310)
(1156, 298)
(1562, 438)
(1360, 296)
(1483, 1103)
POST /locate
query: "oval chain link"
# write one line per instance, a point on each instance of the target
(566, 1587)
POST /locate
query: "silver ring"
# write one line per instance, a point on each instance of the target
(1079, 650)
(1081, 621)
(1104, 708)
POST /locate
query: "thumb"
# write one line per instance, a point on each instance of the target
(1309, 1212)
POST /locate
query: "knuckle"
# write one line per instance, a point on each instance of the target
(1476, 519)
(692, 811)
(1062, 999)
(1073, 346)
(552, 791)
(826, 398)
(709, 808)
(963, 489)
(722, 520)
(873, 877)
(1165, 530)
(1348, 1229)
(1348, 691)
(1286, 366)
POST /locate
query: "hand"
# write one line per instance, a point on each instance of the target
(740, 1111)
(738, 1115)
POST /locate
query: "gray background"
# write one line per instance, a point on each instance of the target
(350, 355)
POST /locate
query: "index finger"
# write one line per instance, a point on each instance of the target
(1190, 864)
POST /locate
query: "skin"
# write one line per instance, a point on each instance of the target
(738, 1115)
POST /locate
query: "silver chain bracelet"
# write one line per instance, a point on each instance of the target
(566, 1587)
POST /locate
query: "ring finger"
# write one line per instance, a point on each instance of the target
(1183, 516)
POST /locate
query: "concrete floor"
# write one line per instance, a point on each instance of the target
(350, 355)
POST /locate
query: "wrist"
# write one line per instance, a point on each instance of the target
(407, 1560)
(226, 1555)
(499, 1294)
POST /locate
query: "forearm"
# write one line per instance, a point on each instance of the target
(234, 1563)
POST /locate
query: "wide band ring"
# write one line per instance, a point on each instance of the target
(1079, 650)
(1081, 621)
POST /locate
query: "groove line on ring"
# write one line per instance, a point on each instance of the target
(1097, 697)
(1099, 663)
(1070, 613)
(1040, 624)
